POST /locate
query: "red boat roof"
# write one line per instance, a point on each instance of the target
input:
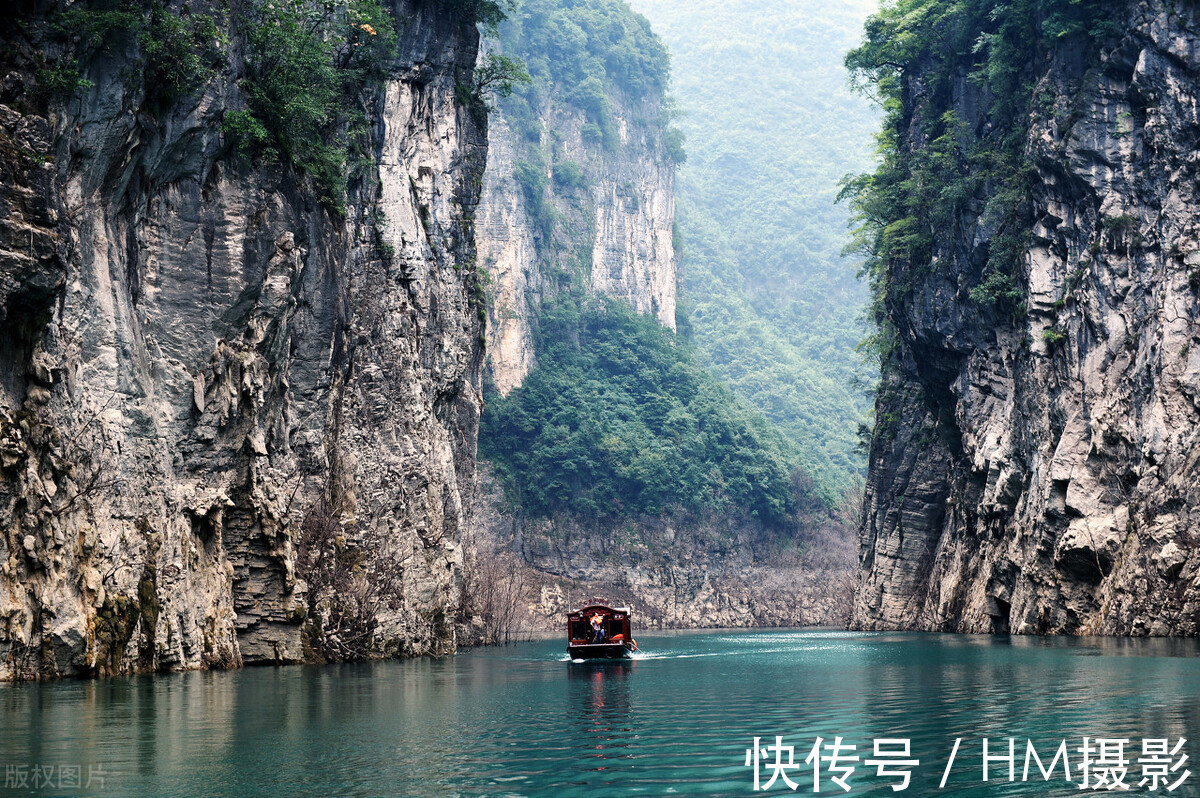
(598, 607)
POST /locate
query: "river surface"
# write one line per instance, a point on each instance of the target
(679, 719)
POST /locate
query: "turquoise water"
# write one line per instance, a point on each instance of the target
(523, 721)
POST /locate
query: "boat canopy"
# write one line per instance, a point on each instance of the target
(614, 620)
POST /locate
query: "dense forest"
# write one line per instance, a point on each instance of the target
(618, 419)
(772, 125)
(582, 51)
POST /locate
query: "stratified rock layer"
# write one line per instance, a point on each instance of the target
(615, 228)
(681, 571)
(197, 357)
(1043, 475)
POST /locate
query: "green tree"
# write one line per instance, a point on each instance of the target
(307, 65)
(933, 165)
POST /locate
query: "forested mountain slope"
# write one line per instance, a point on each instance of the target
(578, 207)
(771, 127)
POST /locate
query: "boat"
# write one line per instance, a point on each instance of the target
(615, 638)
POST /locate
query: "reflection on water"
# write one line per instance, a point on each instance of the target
(600, 692)
(679, 717)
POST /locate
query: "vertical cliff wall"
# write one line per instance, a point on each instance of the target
(1035, 464)
(567, 210)
(234, 425)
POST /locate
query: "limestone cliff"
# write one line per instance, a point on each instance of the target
(212, 387)
(1039, 472)
(606, 219)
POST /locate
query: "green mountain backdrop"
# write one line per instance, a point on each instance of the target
(772, 125)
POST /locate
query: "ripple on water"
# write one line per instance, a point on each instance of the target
(526, 720)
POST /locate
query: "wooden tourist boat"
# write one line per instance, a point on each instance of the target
(600, 632)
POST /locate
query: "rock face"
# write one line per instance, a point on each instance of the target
(199, 362)
(676, 572)
(1043, 475)
(615, 221)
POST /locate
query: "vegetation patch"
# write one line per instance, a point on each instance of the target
(617, 419)
(179, 50)
(307, 66)
(932, 169)
(585, 53)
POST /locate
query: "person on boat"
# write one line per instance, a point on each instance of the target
(597, 629)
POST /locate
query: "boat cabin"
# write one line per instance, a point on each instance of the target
(598, 631)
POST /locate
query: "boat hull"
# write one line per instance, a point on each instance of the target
(599, 651)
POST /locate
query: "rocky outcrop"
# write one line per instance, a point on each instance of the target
(676, 572)
(1042, 475)
(608, 216)
(200, 363)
